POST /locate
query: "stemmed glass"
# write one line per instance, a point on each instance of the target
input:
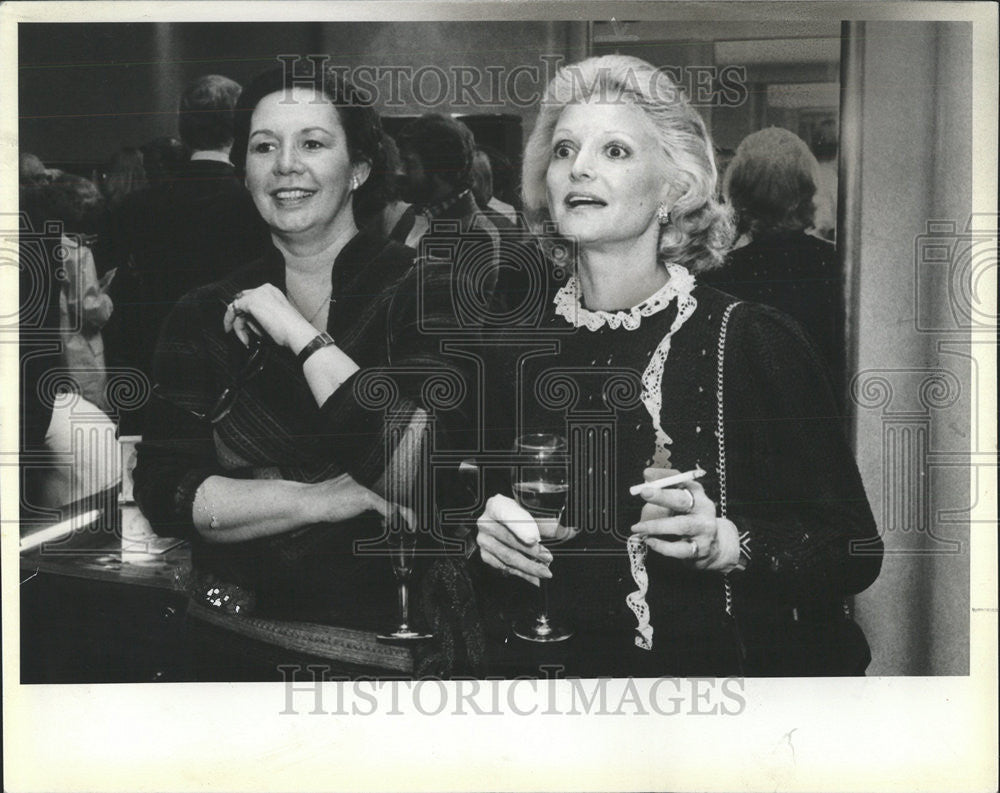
(539, 481)
(402, 541)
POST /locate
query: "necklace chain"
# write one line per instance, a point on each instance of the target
(319, 308)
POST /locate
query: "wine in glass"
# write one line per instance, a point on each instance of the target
(402, 541)
(539, 481)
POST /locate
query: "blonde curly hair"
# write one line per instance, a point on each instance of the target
(700, 231)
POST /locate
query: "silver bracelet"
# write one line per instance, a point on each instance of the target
(745, 546)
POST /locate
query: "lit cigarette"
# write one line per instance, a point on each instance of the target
(667, 481)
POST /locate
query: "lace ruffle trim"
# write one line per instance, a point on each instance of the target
(567, 305)
(636, 601)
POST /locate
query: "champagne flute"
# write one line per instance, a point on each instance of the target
(402, 541)
(539, 481)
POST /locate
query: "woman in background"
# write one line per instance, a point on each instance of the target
(77, 426)
(745, 570)
(772, 185)
(124, 174)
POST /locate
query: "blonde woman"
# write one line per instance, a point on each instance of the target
(742, 571)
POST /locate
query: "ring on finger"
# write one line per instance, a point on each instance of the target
(690, 505)
(694, 548)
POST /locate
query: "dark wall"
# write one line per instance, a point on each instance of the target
(88, 89)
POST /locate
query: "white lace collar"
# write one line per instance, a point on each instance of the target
(568, 305)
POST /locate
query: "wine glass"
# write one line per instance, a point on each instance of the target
(539, 481)
(402, 541)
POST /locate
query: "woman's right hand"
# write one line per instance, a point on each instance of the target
(509, 540)
(342, 498)
(266, 310)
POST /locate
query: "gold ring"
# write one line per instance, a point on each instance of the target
(690, 505)
(694, 548)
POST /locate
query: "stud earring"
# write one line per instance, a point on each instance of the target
(662, 215)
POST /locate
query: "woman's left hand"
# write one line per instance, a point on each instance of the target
(681, 522)
(266, 310)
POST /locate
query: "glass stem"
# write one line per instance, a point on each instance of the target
(404, 606)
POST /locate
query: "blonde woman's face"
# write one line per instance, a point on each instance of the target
(606, 175)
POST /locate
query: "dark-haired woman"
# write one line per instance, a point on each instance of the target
(257, 447)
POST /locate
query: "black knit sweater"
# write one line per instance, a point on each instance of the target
(792, 484)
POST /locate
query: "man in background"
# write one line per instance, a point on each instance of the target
(444, 220)
(187, 231)
(436, 153)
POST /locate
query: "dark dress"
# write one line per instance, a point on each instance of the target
(799, 275)
(792, 484)
(276, 430)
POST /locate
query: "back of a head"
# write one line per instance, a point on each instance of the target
(205, 115)
(445, 147)
(74, 200)
(124, 174)
(771, 182)
(30, 169)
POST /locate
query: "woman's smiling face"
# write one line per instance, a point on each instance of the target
(298, 168)
(607, 175)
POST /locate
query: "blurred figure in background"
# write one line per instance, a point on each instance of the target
(85, 306)
(164, 159)
(39, 300)
(771, 183)
(437, 154)
(502, 215)
(506, 183)
(395, 206)
(64, 392)
(186, 231)
(30, 168)
(124, 174)
(381, 210)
